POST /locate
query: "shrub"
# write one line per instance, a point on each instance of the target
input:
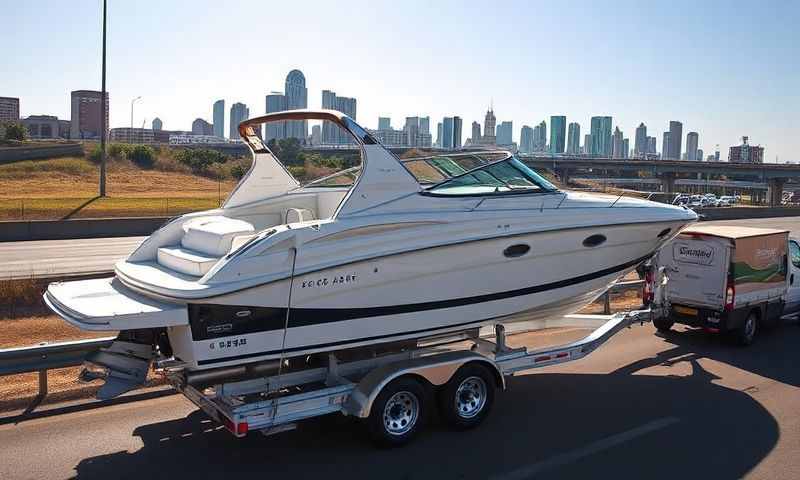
(15, 131)
(240, 167)
(94, 154)
(199, 160)
(143, 155)
(119, 151)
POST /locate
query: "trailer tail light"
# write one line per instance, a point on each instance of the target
(649, 287)
(239, 429)
(730, 296)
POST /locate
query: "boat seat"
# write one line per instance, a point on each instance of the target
(296, 215)
(213, 235)
(186, 261)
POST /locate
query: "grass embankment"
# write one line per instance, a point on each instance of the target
(67, 188)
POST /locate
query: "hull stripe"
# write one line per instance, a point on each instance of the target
(302, 317)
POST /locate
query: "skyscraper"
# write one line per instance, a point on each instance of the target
(332, 134)
(489, 137)
(746, 153)
(457, 126)
(665, 144)
(439, 134)
(587, 144)
(447, 133)
(239, 113)
(640, 143)
(384, 123)
(691, 146)
(574, 138)
(558, 133)
(425, 125)
(525, 139)
(219, 119)
(157, 124)
(505, 133)
(316, 135)
(296, 98)
(651, 145)
(9, 109)
(85, 111)
(616, 144)
(675, 139)
(626, 148)
(601, 136)
(476, 133)
(700, 154)
(275, 102)
(540, 137)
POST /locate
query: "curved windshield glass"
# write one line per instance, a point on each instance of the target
(501, 177)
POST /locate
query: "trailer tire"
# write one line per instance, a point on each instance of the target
(746, 334)
(663, 324)
(466, 399)
(400, 410)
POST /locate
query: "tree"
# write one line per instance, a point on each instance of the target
(15, 131)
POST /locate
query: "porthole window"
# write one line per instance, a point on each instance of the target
(594, 240)
(516, 250)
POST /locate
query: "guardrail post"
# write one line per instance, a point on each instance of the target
(42, 383)
(607, 303)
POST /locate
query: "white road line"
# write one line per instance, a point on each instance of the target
(591, 449)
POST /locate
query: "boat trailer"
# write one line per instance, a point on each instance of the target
(393, 392)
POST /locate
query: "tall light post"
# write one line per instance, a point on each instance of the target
(132, 102)
(103, 106)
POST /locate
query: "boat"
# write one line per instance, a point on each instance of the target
(387, 251)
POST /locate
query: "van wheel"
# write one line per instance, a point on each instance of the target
(466, 399)
(746, 334)
(663, 324)
(398, 413)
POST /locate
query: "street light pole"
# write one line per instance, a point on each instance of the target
(103, 106)
(131, 130)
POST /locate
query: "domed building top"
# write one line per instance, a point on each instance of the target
(296, 77)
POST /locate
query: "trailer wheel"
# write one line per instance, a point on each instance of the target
(466, 399)
(746, 334)
(398, 413)
(663, 324)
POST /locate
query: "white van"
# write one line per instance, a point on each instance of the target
(730, 279)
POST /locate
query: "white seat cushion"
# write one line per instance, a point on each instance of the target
(296, 215)
(213, 235)
(185, 261)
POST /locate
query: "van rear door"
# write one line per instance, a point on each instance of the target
(698, 270)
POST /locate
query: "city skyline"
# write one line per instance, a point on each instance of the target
(720, 103)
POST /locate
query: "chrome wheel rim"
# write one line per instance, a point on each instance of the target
(470, 397)
(400, 413)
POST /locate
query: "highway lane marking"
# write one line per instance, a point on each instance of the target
(591, 449)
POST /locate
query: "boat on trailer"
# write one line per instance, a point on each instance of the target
(386, 253)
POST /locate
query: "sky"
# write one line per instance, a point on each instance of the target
(723, 68)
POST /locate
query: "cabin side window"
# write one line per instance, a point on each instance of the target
(794, 253)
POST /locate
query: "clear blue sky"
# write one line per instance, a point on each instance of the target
(723, 68)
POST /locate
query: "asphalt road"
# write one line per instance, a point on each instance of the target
(643, 406)
(63, 257)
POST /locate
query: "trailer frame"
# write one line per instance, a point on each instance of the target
(275, 403)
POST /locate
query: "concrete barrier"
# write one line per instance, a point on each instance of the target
(16, 154)
(78, 228)
(737, 213)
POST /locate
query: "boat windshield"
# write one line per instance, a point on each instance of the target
(473, 173)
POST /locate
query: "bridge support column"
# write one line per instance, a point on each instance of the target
(667, 182)
(563, 175)
(775, 189)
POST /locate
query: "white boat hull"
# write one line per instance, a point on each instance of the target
(413, 295)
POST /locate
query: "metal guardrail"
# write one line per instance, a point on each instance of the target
(43, 357)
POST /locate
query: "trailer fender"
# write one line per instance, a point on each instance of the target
(436, 369)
